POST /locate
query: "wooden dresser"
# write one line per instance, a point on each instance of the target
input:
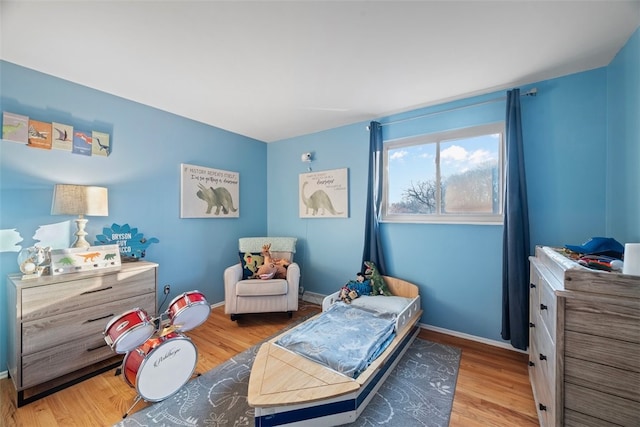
(56, 324)
(584, 345)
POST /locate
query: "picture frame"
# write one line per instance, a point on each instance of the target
(208, 193)
(324, 194)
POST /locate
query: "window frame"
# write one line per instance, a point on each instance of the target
(438, 138)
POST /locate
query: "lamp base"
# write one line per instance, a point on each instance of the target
(81, 242)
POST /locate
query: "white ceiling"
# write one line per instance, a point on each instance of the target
(273, 70)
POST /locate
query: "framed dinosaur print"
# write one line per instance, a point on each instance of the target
(324, 194)
(208, 193)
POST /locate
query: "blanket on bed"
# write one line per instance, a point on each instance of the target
(344, 338)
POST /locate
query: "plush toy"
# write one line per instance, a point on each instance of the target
(377, 281)
(355, 288)
(273, 267)
(266, 271)
(361, 285)
(347, 295)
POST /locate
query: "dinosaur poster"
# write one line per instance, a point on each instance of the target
(100, 144)
(39, 134)
(62, 136)
(15, 127)
(208, 193)
(324, 194)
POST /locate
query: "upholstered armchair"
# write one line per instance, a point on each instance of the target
(243, 294)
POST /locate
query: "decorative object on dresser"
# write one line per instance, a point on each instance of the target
(132, 244)
(584, 343)
(55, 324)
(74, 260)
(33, 261)
(81, 200)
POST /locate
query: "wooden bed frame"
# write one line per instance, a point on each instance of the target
(288, 389)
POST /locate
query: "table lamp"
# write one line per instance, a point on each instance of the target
(81, 200)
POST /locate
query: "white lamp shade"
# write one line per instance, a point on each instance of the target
(69, 199)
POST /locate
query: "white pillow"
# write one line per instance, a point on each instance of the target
(381, 303)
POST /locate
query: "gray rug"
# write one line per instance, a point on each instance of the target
(418, 392)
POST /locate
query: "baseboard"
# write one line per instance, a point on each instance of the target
(313, 297)
(316, 298)
(481, 340)
(4, 374)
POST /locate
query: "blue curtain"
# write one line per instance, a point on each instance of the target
(372, 244)
(515, 263)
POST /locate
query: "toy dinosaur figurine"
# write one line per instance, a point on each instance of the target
(377, 281)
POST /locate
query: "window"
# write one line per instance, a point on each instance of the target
(453, 176)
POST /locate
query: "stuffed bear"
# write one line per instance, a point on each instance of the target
(377, 281)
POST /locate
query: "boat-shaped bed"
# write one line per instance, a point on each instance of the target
(289, 389)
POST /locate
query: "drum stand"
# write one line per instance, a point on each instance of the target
(138, 398)
(135, 402)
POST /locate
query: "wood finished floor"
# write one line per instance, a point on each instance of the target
(492, 389)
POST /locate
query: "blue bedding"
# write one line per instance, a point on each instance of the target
(344, 338)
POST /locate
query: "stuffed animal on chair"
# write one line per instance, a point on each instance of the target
(276, 265)
(377, 281)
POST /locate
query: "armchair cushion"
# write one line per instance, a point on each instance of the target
(259, 287)
(251, 262)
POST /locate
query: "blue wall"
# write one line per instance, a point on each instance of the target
(623, 142)
(458, 267)
(581, 143)
(142, 175)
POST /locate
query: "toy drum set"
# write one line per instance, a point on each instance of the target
(158, 360)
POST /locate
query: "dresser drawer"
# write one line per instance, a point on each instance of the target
(57, 298)
(576, 419)
(547, 310)
(54, 362)
(599, 405)
(605, 351)
(543, 390)
(605, 378)
(602, 319)
(52, 331)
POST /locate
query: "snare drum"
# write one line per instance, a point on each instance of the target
(161, 366)
(128, 330)
(188, 310)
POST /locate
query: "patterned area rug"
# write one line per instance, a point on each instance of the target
(418, 392)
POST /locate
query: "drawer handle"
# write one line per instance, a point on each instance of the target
(543, 307)
(532, 325)
(532, 285)
(543, 357)
(96, 348)
(531, 363)
(542, 407)
(99, 318)
(97, 290)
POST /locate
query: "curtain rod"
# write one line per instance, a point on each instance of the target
(530, 92)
